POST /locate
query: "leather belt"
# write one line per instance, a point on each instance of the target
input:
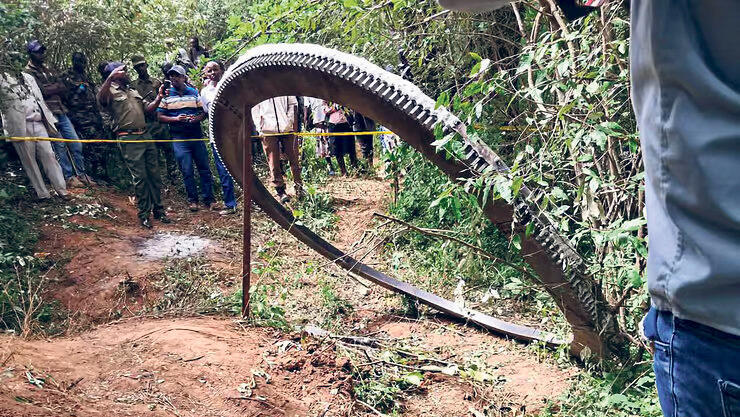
(130, 132)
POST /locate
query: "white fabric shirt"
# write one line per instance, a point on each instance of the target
(207, 94)
(317, 109)
(24, 103)
(275, 115)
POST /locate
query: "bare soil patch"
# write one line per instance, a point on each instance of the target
(185, 367)
(194, 366)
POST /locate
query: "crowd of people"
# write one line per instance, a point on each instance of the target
(150, 117)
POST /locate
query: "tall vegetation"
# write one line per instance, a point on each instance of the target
(551, 97)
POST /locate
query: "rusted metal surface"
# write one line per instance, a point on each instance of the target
(246, 139)
(309, 70)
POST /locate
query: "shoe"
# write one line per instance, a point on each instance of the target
(162, 218)
(282, 197)
(74, 182)
(64, 197)
(146, 223)
(227, 211)
(207, 206)
(332, 173)
(193, 207)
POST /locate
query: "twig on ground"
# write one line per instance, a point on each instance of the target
(370, 407)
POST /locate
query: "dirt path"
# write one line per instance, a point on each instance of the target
(195, 366)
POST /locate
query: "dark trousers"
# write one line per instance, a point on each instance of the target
(342, 145)
(366, 146)
(697, 367)
(227, 183)
(186, 154)
(141, 160)
(161, 131)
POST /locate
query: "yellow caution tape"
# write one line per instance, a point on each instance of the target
(301, 134)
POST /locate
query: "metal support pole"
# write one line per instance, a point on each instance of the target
(246, 228)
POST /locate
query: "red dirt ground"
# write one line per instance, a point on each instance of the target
(183, 367)
(194, 366)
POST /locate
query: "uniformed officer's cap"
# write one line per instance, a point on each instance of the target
(137, 60)
(35, 46)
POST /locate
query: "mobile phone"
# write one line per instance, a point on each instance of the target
(167, 84)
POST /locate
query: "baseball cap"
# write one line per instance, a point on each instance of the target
(35, 46)
(178, 69)
(137, 60)
(112, 66)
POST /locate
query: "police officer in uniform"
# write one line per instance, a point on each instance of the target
(129, 111)
(83, 111)
(148, 88)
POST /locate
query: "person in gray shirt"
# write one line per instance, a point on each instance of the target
(685, 75)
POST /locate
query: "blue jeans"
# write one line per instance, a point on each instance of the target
(227, 183)
(67, 130)
(186, 153)
(697, 367)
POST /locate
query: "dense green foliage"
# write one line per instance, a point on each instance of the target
(22, 274)
(562, 88)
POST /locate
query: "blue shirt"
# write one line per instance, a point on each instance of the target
(188, 103)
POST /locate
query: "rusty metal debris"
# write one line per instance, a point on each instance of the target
(310, 70)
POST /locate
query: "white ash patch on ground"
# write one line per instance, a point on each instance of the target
(173, 245)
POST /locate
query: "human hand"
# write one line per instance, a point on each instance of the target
(184, 118)
(118, 73)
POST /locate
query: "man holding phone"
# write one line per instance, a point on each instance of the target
(183, 111)
(148, 87)
(128, 109)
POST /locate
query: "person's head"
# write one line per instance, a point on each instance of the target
(36, 51)
(140, 66)
(194, 42)
(101, 69)
(178, 76)
(112, 66)
(166, 69)
(214, 70)
(79, 62)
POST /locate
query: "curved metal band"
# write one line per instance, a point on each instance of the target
(310, 70)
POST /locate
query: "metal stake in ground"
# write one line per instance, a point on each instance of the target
(246, 228)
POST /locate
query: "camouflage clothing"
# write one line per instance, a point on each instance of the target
(83, 111)
(82, 105)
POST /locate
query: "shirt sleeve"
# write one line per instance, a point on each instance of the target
(292, 102)
(256, 119)
(200, 103)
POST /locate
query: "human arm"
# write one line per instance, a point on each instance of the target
(293, 107)
(52, 89)
(104, 95)
(173, 119)
(151, 107)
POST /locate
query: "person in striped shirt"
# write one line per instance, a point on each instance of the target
(182, 109)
